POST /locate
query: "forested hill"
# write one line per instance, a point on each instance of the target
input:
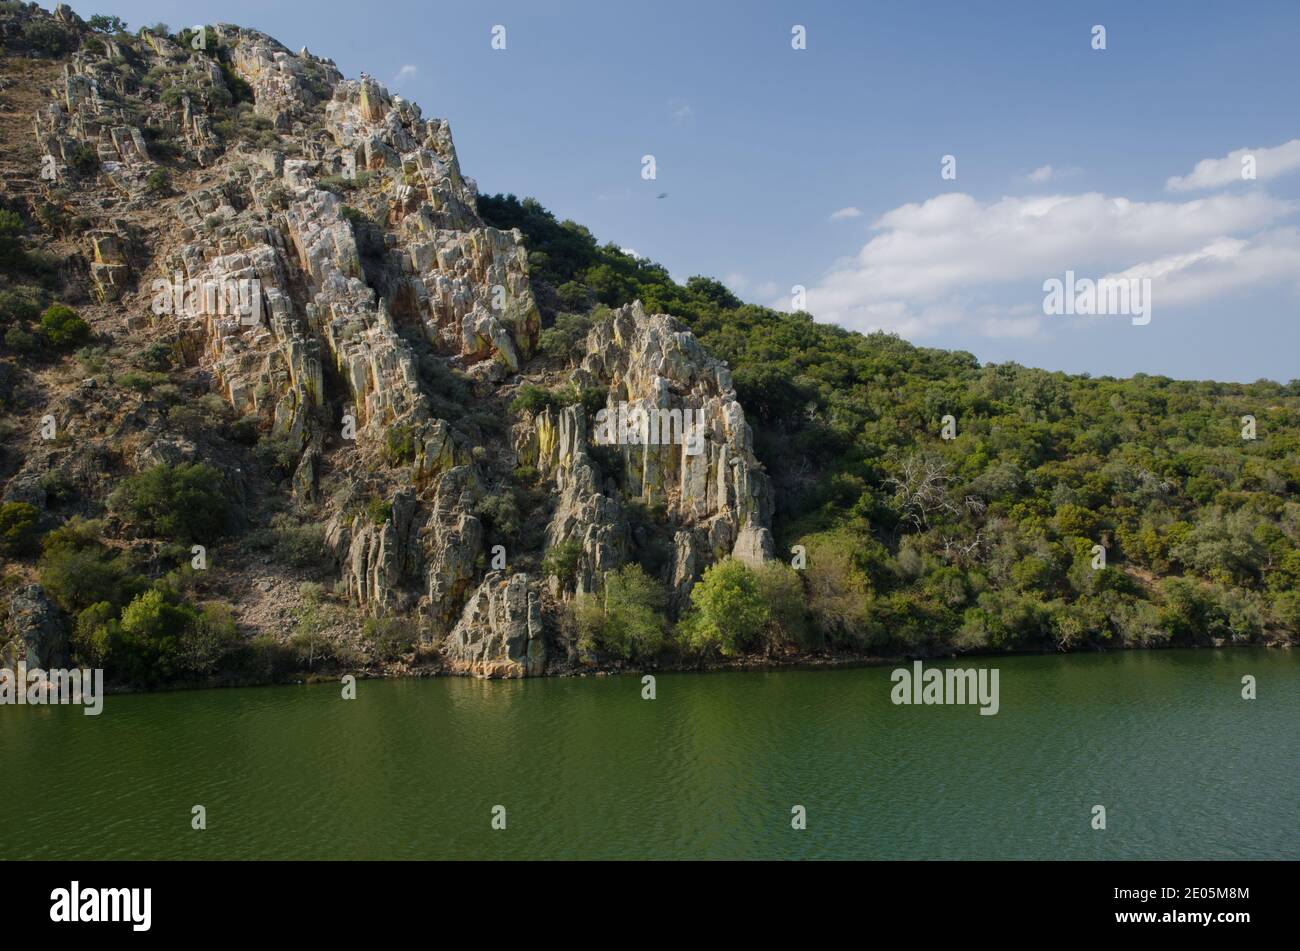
(986, 540)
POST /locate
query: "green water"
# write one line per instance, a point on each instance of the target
(710, 769)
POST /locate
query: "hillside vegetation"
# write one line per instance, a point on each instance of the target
(919, 543)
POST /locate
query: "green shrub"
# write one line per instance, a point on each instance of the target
(780, 588)
(353, 215)
(399, 445)
(47, 37)
(182, 503)
(379, 510)
(308, 641)
(389, 638)
(142, 381)
(561, 561)
(301, 545)
(20, 341)
(532, 399)
(626, 619)
(11, 247)
(77, 570)
(158, 183)
(84, 160)
(58, 488)
(93, 633)
(246, 430)
(1285, 609)
(185, 39)
(500, 512)
(591, 398)
(63, 327)
(574, 296)
(839, 590)
(279, 455)
(106, 24)
(209, 635)
(265, 658)
(76, 534)
(20, 304)
(339, 184)
(727, 612)
(149, 646)
(18, 528)
(565, 339)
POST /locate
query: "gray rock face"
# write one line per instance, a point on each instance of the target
(703, 473)
(500, 632)
(557, 444)
(37, 630)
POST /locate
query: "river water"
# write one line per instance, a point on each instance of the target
(711, 768)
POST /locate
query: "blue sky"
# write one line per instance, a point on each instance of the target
(1064, 154)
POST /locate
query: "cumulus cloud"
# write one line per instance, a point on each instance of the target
(1231, 264)
(942, 262)
(1218, 172)
(408, 71)
(849, 212)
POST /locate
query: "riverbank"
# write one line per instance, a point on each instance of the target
(748, 663)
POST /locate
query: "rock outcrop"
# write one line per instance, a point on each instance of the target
(692, 456)
(38, 633)
(500, 633)
(326, 268)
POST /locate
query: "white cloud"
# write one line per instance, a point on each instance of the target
(631, 252)
(945, 261)
(1049, 173)
(1230, 264)
(849, 212)
(408, 71)
(1215, 173)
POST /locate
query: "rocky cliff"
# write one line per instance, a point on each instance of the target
(309, 247)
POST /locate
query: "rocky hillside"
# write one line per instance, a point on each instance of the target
(295, 418)
(283, 396)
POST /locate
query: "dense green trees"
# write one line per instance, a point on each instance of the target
(985, 540)
(141, 631)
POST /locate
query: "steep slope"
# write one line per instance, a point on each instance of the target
(307, 247)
